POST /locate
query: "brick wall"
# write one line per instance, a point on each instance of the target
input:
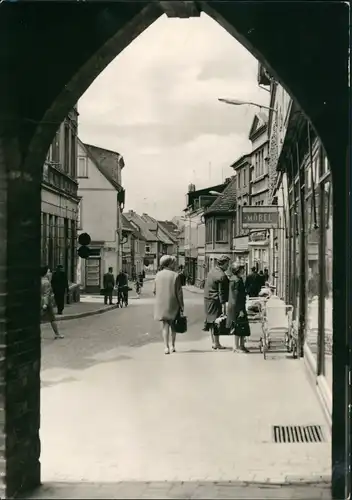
(20, 344)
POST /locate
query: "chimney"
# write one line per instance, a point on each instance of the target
(191, 188)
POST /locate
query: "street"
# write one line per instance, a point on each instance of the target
(115, 408)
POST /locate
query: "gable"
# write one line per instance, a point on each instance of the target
(95, 179)
(259, 121)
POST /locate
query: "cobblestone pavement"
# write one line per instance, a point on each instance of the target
(121, 420)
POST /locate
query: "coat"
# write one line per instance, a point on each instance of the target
(216, 292)
(59, 282)
(108, 281)
(168, 295)
(237, 300)
(253, 284)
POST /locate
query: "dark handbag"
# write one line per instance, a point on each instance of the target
(180, 324)
(102, 291)
(242, 328)
(221, 328)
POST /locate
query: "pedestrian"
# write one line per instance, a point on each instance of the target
(47, 302)
(59, 284)
(237, 320)
(266, 274)
(215, 297)
(109, 284)
(252, 285)
(262, 279)
(182, 276)
(168, 299)
(122, 288)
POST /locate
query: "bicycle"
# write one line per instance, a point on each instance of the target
(122, 296)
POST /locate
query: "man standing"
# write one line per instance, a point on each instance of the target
(216, 294)
(109, 284)
(122, 288)
(59, 283)
(253, 283)
(266, 274)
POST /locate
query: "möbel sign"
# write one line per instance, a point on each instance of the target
(260, 217)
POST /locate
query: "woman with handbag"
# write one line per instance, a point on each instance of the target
(169, 304)
(237, 319)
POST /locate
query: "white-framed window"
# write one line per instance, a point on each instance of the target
(147, 249)
(82, 167)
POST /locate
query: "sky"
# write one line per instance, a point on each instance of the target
(156, 104)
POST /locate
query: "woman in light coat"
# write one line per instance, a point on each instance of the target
(168, 299)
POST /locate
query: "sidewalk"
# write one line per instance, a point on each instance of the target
(197, 417)
(83, 309)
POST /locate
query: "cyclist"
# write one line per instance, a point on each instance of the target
(122, 288)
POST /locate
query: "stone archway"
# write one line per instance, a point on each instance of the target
(50, 55)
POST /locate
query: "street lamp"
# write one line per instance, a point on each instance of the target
(238, 102)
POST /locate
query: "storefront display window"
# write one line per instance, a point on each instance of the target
(327, 285)
(313, 279)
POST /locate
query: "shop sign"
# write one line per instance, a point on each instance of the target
(258, 236)
(240, 244)
(260, 217)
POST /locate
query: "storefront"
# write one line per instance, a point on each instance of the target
(307, 251)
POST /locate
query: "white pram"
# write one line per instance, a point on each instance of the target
(277, 324)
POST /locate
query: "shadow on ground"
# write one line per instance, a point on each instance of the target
(305, 489)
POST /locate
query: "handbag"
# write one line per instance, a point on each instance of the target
(102, 291)
(242, 328)
(220, 327)
(180, 324)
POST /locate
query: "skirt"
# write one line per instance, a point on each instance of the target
(213, 310)
(48, 315)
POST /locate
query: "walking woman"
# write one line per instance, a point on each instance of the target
(169, 299)
(237, 319)
(215, 297)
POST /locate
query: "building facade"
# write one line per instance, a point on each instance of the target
(152, 243)
(196, 264)
(305, 253)
(133, 248)
(100, 207)
(259, 241)
(240, 245)
(220, 221)
(59, 193)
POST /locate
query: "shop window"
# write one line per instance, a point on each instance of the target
(327, 284)
(313, 273)
(222, 231)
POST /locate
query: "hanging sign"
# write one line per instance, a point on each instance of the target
(260, 217)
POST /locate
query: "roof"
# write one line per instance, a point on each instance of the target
(108, 168)
(241, 161)
(127, 226)
(171, 229)
(141, 224)
(226, 202)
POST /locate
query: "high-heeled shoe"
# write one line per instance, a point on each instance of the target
(166, 350)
